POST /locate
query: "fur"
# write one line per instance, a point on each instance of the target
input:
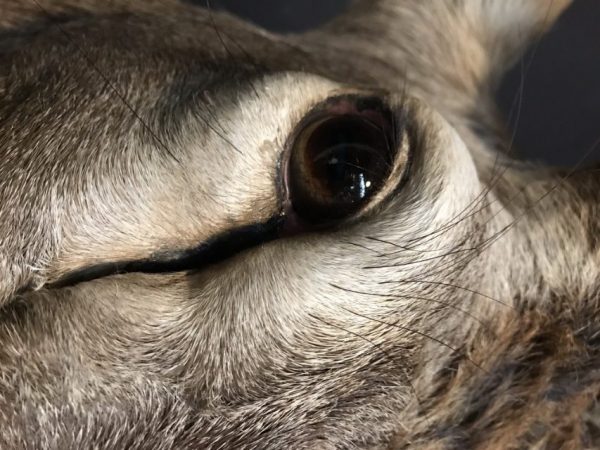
(462, 313)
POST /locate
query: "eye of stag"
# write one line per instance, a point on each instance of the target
(342, 158)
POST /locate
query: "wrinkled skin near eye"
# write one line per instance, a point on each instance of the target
(342, 156)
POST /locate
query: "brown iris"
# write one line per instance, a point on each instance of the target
(339, 162)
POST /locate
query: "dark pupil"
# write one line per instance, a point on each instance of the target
(346, 160)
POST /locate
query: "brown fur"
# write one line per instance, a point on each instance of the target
(462, 313)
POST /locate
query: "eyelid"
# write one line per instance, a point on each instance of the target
(378, 111)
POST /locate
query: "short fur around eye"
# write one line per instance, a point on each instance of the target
(459, 310)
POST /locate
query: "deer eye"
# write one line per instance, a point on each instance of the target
(340, 159)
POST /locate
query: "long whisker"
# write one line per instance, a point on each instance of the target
(220, 134)
(109, 83)
(364, 247)
(531, 207)
(418, 261)
(219, 34)
(380, 348)
(419, 333)
(425, 299)
(496, 236)
(497, 174)
(450, 285)
(402, 248)
(488, 242)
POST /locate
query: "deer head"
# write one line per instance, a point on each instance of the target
(216, 237)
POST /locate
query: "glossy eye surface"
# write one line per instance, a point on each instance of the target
(339, 160)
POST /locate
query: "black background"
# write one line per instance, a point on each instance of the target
(557, 119)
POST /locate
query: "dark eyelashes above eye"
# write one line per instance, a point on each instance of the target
(340, 160)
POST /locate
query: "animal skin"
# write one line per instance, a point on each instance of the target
(156, 294)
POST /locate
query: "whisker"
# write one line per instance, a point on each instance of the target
(497, 177)
(111, 85)
(364, 247)
(488, 242)
(450, 285)
(227, 50)
(497, 171)
(449, 225)
(419, 261)
(380, 348)
(401, 247)
(214, 129)
(419, 333)
(425, 299)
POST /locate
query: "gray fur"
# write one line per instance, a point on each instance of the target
(463, 314)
